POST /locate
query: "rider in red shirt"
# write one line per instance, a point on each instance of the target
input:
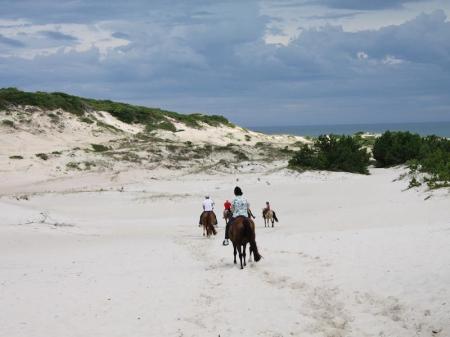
(227, 205)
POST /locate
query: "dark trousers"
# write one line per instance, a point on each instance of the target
(227, 228)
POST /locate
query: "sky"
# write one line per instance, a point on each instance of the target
(259, 63)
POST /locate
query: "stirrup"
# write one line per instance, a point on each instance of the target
(225, 242)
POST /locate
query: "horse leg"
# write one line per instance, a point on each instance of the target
(243, 253)
(240, 255)
(234, 252)
(272, 222)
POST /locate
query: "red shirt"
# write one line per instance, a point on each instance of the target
(227, 205)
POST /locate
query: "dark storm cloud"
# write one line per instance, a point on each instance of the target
(217, 62)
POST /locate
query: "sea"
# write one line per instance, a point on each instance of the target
(441, 129)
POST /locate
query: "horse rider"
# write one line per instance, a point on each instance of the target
(227, 206)
(208, 206)
(266, 209)
(226, 210)
(239, 207)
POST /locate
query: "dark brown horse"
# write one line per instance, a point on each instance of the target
(242, 231)
(208, 221)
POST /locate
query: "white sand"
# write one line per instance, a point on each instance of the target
(352, 256)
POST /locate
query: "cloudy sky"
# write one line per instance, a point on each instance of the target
(273, 62)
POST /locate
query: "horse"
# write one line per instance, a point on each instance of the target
(268, 217)
(208, 223)
(227, 215)
(242, 231)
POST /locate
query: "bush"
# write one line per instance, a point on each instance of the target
(429, 155)
(332, 153)
(43, 156)
(86, 120)
(163, 125)
(99, 147)
(7, 122)
(15, 157)
(394, 148)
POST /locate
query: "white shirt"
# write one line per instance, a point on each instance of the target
(208, 205)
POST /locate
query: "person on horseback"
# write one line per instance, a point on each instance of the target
(227, 211)
(266, 209)
(239, 207)
(208, 206)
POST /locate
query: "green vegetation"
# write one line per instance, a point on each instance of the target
(153, 118)
(7, 122)
(99, 147)
(43, 156)
(86, 120)
(394, 148)
(427, 155)
(364, 140)
(43, 100)
(15, 157)
(80, 166)
(332, 153)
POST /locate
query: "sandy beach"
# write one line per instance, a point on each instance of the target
(352, 255)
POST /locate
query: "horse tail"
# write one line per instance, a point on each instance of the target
(275, 216)
(250, 234)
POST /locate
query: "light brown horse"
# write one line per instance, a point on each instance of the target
(268, 217)
(208, 221)
(227, 215)
(241, 232)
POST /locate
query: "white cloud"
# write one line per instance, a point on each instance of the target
(391, 60)
(84, 36)
(362, 55)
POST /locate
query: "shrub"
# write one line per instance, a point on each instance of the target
(429, 155)
(394, 148)
(43, 156)
(86, 120)
(99, 147)
(332, 153)
(15, 157)
(73, 165)
(7, 122)
(162, 125)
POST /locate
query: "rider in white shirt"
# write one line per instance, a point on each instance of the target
(208, 206)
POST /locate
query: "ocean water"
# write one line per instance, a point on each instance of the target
(429, 128)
